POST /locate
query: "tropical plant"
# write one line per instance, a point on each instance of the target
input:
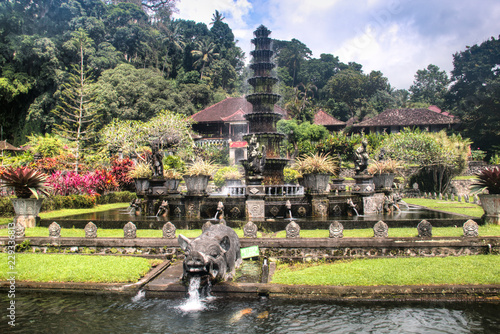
(201, 167)
(290, 175)
(120, 170)
(172, 174)
(317, 164)
(384, 166)
(488, 179)
(226, 173)
(25, 181)
(140, 170)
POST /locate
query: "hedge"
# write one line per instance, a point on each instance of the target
(70, 202)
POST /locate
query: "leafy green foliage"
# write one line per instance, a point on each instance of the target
(489, 179)
(226, 173)
(25, 181)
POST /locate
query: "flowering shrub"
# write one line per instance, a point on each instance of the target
(71, 183)
(120, 169)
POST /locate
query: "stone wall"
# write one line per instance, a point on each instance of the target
(284, 249)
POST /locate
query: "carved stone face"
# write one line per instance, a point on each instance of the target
(205, 256)
(214, 254)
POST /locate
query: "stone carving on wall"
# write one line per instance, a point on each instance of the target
(471, 229)
(19, 230)
(54, 230)
(129, 231)
(337, 211)
(293, 230)
(424, 229)
(380, 230)
(235, 212)
(256, 208)
(90, 230)
(274, 211)
(336, 230)
(301, 211)
(169, 230)
(177, 211)
(250, 230)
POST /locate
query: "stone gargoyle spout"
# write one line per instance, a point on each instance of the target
(214, 254)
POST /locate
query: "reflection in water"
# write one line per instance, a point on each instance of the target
(67, 313)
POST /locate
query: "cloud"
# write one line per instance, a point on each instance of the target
(397, 37)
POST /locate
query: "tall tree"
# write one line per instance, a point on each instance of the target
(205, 54)
(430, 86)
(76, 108)
(475, 93)
(291, 55)
(217, 17)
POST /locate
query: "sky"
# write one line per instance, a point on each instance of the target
(396, 37)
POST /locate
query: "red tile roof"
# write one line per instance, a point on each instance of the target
(236, 117)
(322, 118)
(227, 108)
(409, 117)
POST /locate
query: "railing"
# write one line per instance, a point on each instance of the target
(280, 190)
(284, 190)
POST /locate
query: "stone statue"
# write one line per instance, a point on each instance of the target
(256, 156)
(215, 253)
(361, 158)
(156, 159)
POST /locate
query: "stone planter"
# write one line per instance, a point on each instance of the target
(337, 184)
(491, 207)
(171, 185)
(316, 183)
(26, 210)
(196, 184)
(383, 181)
(141, 185)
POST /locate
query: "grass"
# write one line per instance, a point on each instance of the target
(462, 208)
(70, 212)
(479, 269)
(75, 268)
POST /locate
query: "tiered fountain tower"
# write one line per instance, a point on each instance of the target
(264, 163)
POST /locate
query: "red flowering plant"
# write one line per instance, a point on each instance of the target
(103, 181)
(120, 169)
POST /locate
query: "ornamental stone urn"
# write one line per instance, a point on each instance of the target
(196, 184)
(141, 185)
(27, 210)
(491, 207)
(316, 183)
(383, 180)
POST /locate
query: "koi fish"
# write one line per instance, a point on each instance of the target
(238, 315)
(263, 315)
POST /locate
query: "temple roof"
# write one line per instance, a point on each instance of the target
(410, 117)
(226, 109)
(236, 117)
(322, 118)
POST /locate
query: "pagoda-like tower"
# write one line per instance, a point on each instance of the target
(264, 162)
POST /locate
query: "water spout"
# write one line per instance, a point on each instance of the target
(194, 301)
(352, 206)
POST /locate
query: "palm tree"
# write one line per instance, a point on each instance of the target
(217, 17)
(205, 54)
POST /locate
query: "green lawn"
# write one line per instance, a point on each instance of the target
(75, 268)
(479, 269)
(70, 212)
(469, 209)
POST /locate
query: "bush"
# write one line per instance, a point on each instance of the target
(290, 175)
(120, 169)
(225, 173)
(174, 162)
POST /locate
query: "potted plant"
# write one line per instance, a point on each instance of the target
(228, 176)
(172, 179)
(141, 173)
(197, 176)
(316, 170)
(489, 180)
(383, 172)
(26, 182)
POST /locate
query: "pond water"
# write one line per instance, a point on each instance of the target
(78, 313)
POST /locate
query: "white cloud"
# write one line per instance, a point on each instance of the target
(397, 37)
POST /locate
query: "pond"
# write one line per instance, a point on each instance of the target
(38, 312)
